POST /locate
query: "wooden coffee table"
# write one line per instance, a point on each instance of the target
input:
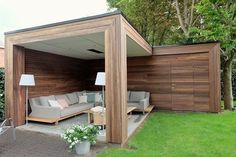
(99, 118)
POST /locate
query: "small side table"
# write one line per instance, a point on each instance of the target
(97, 118)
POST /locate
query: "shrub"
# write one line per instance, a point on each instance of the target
(79, 133)
(2, 95)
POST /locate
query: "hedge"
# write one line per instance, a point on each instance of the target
(2, 95)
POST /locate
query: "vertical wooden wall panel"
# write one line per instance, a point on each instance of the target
(19, 92)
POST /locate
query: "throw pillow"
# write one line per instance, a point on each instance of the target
(82, 99)
(63, 96)
(98, 98)
(63, 103)
(44, 100)
(54, 103)
(91, 97)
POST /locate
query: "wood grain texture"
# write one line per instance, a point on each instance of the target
(116, 83)
(54, 74)
(177, 82)
(183, 78)
(19, 102)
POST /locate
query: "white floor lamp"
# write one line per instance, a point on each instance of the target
(101, 81)
(26, 80)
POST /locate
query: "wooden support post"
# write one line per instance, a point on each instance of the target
(116, 83)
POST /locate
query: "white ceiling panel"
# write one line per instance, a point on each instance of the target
(78, 46)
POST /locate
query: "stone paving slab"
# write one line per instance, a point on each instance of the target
(32, 144)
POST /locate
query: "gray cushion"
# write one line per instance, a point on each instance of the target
(90, 97)
(80, 93)
(128, 95)
(137, 105)
(76, 108)
(136, 96)
(73, 98)
(44, 100)
(63, 96)
(34, 101)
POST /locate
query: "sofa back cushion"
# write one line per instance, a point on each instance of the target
(34, 101)
(44, 100)
(83, 99)
(63, 103)
(73, 98)
(128, 95)
(54, 103)
(80, 93)
(98, 97)
(136, 96)
(63, 96)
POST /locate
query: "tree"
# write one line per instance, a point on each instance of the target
(153, 19)
(218, 23)
(186, 17)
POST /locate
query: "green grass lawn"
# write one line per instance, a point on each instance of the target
(170, 134)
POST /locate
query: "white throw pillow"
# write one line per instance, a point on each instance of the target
(83, 99)
(54, 103)
(98, 97)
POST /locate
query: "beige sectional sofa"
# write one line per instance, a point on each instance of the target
(43, 112)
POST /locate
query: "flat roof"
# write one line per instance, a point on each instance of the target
(117, 12)
(185, 44)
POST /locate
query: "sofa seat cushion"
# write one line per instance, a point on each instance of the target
(76, 108)
(134, 104)
(44, 100)
(136, 96)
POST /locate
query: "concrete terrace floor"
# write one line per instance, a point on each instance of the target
(32, 144)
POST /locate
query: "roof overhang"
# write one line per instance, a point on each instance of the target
(78, 45)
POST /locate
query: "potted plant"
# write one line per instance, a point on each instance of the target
(80, 137)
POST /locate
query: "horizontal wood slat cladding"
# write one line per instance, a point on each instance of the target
(54, 74)
(176, 82)
(171, 80)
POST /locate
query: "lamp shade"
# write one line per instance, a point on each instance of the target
(100, 79)
(27, 80)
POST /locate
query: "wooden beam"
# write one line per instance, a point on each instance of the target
(19, 92)
(133, 34)
(116, 83)
(183, 49)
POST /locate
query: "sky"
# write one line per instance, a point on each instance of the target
(18, 14)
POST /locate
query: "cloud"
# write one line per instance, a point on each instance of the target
(17, 14)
